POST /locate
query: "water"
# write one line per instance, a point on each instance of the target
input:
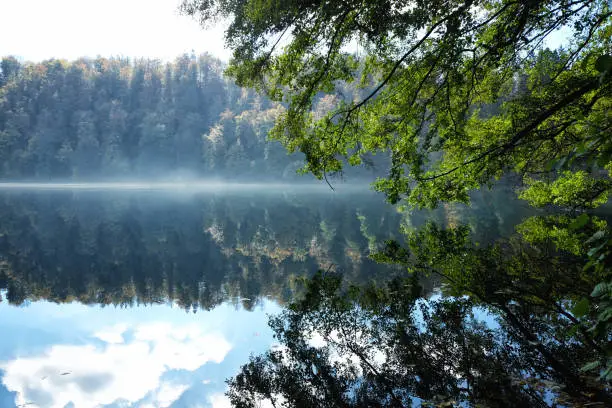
(177, 185)
(152, 294)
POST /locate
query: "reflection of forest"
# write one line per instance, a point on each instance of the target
(141, 248)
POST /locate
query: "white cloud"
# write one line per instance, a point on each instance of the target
(112, 335)
(315, 339)
(219, 401)
(90, 376)
(168, 393)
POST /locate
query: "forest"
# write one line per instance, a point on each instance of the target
(127, 250)
(118, 119)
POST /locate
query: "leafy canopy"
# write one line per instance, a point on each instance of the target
(457, 93)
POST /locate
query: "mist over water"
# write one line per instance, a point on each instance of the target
(117, 243)
(183, 186)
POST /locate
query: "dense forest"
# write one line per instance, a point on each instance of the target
(128, 249)
(110, 118)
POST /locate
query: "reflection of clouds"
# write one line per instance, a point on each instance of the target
(122, 369)
(113, 335)
(221, 401)
(376, 356)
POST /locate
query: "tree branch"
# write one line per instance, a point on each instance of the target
(589, 86)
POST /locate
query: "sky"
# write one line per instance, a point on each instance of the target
(35, 30)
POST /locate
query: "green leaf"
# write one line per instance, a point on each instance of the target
(605, 315)
(596, 236)
(550, 164)
(579, 222)
(604, 63)
(599, 290)
(561, 163)
(588, 265)
(593, 251)
(590, 366)
(581, 308)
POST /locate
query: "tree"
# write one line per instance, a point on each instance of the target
(86, 156)
(543, 294)
(9, 68)
(458, 93)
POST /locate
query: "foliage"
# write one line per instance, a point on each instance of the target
(567, 233)
(600, 263)
(568, 190)
(458, 93)
(367, 347)
(112, 117)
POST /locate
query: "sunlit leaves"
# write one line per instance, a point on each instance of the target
(572, 189)
(567, 233)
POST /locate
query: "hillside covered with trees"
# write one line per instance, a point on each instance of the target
(113, 118)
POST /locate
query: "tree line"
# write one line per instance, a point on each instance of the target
(111, 249)
(115, 117)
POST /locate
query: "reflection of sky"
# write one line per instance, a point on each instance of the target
(86, 356)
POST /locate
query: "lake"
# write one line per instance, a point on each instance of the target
(151, 295)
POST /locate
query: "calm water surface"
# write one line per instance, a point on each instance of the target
(152, 296)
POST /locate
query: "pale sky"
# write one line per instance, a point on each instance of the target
(40, 29)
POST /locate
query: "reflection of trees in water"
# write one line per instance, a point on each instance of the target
(510, 329)
(147, 249)
(132, 249)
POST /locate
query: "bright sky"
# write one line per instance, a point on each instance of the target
(40, 29)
